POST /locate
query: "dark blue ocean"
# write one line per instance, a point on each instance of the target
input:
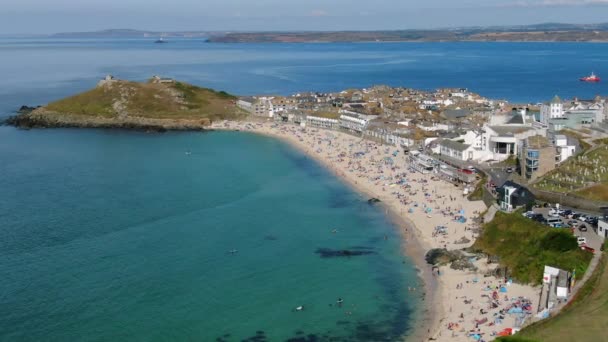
(520, 72)
(122, 236)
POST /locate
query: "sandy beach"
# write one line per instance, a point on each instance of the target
(460, 305)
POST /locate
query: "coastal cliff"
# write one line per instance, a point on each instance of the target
(157, 105)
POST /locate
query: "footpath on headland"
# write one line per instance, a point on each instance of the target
(431, 213)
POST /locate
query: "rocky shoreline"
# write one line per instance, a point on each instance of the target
(35, 117)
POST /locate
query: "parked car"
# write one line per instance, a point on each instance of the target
(529, 214)
(582, 228)
(566, 213)
(572, 223)
(581, 240)
(593, 222)
(576, 215)
(510, 169)
(539, 218)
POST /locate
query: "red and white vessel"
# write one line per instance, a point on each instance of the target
(591, 78)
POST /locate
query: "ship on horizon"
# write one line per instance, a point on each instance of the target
(591, 78)
(160, 40)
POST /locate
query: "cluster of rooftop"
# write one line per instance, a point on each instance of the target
(458, 125)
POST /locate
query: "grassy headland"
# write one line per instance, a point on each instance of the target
(526, 246)
(118, 103)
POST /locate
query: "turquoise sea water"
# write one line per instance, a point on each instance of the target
(111, 235)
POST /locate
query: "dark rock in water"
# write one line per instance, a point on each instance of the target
(334, 253)
(373, 200)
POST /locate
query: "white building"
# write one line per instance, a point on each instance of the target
(504, 141)
(390, 137)
(558, 280)
(421, 162)
(327, 123)
(456, 150)
(552, 110)
(564, 151)
(602, 229)
(260, 106)
(158, 79)
(246, 103)
(433, 127)
(574, 114)
(354, 122)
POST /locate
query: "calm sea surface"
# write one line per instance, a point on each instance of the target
(111, 235)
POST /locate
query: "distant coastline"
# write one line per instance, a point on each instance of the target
(547, 32)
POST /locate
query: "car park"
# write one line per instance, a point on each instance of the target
(529, 214)
(539, 218)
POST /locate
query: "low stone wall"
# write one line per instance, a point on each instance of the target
(568, 200)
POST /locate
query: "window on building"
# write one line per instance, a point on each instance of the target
(533, 154)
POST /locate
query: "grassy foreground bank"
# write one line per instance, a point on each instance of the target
(526, 246)
(584, 319)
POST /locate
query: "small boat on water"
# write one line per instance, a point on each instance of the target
(160, 41)
(591, 78)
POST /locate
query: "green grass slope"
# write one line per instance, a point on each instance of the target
(585, 175)
(584, 319)
(526, 246)
(123, 99)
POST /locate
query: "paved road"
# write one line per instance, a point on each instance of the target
(498, 175)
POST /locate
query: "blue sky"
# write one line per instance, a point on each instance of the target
(45, 16)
